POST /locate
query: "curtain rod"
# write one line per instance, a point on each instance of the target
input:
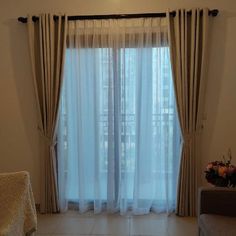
(213, 12)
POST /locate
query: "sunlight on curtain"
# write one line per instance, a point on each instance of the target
(118, 137)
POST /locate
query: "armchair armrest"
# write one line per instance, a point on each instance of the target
(17, 207)
(217, 200)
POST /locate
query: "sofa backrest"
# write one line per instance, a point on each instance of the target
(217, 200)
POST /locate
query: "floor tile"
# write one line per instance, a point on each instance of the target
(149, 225)
(63, 234)
(182, 226)
(64, 225)
(111, 225)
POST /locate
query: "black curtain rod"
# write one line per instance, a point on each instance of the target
(213, 12)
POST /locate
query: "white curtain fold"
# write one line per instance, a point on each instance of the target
(118, 137)
(47, 41)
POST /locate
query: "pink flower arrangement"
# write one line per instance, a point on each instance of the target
(221, 173)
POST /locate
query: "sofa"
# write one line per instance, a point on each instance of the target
(217, 211)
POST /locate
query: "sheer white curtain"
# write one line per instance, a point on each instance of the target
(118, 136)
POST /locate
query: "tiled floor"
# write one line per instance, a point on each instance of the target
(72, 223)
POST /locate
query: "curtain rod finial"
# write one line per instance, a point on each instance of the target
(22, 19)
(214, 12)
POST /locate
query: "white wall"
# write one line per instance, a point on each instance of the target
(19, 139)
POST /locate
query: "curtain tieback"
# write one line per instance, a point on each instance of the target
(191, 135)
(48, 140)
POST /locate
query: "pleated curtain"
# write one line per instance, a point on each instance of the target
(188, 42)
(47, 39)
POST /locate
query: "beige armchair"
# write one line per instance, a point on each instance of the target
(17, 208)
(217, 211)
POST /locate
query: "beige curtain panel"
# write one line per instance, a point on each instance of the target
(47, 41)
(187, 35)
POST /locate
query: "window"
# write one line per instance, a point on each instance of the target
(118, 137)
